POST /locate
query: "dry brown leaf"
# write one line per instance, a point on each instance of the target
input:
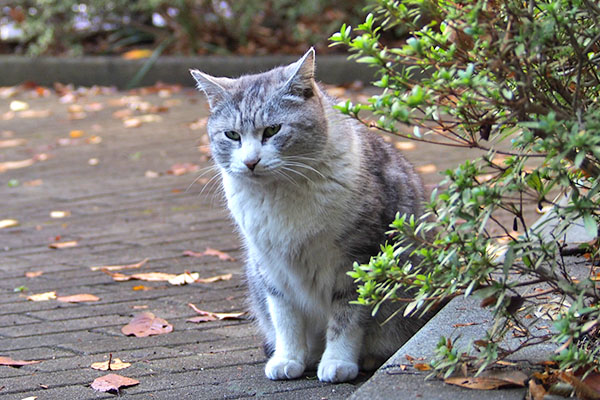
(120, 267)
(42, 296)
(63, 245)
(405, 146)
(8, 223)
(536, 391)
(33, 274)
(146, 324)
(185, 278)
(112, 382)
(422, 367)
(153, 276)
(583, 390)
(16, 363)
(115, 365)
(212, 279)
(510, 378)
(206, 316)
(209, 252)
(78, 298)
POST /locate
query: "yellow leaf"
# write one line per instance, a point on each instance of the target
(137, 54)
(8, 223)
(42, 296)
(76, 133)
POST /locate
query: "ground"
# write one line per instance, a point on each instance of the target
(123, 177)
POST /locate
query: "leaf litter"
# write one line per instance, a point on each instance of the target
(78, 298)
(119, 267)
(112, 364)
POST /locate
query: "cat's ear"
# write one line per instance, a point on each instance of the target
(214, 88)
(301, 75)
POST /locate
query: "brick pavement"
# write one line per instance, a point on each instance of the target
(120, 215)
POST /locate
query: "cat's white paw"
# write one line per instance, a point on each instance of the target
(283, 368)
(337, 371)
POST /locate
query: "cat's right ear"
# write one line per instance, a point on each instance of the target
(214, 88)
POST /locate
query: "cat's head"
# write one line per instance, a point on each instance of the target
(269, 126)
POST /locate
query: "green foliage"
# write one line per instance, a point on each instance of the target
(518, 80)
(74, 27)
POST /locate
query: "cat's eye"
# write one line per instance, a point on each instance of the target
(233, 135)
(271, 131)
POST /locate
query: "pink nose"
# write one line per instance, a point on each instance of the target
(251, 164)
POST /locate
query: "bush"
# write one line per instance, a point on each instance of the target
(517, 79)
(73, 27)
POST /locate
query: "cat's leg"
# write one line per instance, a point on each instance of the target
(339, 362)
(289, 359)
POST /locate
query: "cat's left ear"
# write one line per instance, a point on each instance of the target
(301, 75)
(214, 88)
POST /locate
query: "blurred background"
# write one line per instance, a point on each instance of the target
(137, 43)
(180, 27)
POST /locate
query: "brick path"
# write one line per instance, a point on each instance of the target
(120, 215)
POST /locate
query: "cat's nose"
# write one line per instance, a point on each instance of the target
(251, 164)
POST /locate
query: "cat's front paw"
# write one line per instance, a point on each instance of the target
(337, 371)
(283, 368)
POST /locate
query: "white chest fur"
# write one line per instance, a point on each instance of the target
(293, 233)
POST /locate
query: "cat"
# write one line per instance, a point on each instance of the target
(311, 191)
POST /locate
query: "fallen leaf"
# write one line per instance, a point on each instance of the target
(115, 365)
(426, 169)
(144, 276)
(35, 182)
(15, 363)
(141, 287)
(17, 105)
(63, 245)
(113, 382)
(78, 298)
(132, 123)
(76, 133)
(120, 267)
(34, 113)
(405, 146)
(582, 389)
(510, 378)
(11, 143)
(136, 54)
(33, 274)
(59, 214)
(212, 279)
(422, 367)
(146, 324)
(151, 174)
(465, 324)
(185, 278)
(593, 381)
(8, 223)
(42, 296)
(7, 165)
(206, 316)
(182, 168)
(209, 252)
(198, 124)
(536, 391)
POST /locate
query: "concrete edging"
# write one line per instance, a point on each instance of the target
(115, 71)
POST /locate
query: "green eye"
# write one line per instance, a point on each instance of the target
(233, 135)
(271, 131)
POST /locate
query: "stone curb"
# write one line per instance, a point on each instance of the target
(114, 71)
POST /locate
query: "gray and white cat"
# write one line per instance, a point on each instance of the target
(311, 191)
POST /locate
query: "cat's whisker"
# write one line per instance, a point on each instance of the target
(203, 171)
(302, 165)
(214, 179)
(286, 177)
(298, 173)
